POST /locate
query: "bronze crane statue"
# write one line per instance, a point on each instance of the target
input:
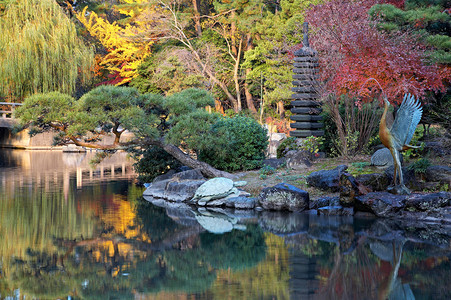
(398, 137)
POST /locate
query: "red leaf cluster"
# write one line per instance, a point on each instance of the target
(351, 50)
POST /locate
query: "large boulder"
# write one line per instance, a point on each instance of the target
(350, 188)
(324, 201)
(375, 181)
(440, 174)
(408, 176)
(435, 207)
(382, 158)
(428, 202)
(179, 188)
(382, 204)
(298, 160)
(284, 197)
(274, 162)
(327, 179)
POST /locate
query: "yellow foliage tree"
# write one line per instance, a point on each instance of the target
(125, 52)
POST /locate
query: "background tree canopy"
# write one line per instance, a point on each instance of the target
(239, 51)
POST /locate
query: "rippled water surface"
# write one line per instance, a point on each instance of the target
(68, 231)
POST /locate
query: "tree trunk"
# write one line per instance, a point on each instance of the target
(197, 17)
(281, 109)
(232, 34)
(237, 107)
(173, 150)
(185, 159)
(212, 76)
(247, 93)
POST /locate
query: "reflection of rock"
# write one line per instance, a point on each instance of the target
(383, 250)
(283, 222)
(401, 291)
(73, 148)
(335, 211)
(180, 212)
(284, 197)
(328, 228)
(217, 222)
(73, 160)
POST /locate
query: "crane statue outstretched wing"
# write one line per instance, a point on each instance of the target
(407, 118)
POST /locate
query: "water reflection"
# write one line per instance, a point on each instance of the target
(104, 241)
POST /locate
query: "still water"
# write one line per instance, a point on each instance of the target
(68, 231)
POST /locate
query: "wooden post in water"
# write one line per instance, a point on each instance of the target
(79, 177)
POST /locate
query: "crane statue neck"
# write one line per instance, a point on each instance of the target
(384, 115)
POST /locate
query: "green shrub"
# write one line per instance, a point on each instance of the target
(238, 143)
(153, 162)
(420, 166)
(287, 145)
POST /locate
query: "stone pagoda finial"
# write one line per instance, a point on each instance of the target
(305, 31)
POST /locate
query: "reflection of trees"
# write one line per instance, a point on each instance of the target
(357, 266)
(268, 280)
(236, 250)
(351, 275)
(33, 220)
(154, 220)
(139, 250)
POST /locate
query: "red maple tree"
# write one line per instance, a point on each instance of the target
(352, 50)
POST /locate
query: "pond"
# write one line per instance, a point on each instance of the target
(68, 231)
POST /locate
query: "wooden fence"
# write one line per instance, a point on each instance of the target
(7, 109)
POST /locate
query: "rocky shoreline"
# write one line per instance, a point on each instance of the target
(365, 195)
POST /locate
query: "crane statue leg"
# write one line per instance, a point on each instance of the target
(397, 176)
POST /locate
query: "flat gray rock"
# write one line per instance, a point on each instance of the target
(215, 188)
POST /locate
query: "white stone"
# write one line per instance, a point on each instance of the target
(214, 188)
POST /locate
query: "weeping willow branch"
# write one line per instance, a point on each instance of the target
(40, 50)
